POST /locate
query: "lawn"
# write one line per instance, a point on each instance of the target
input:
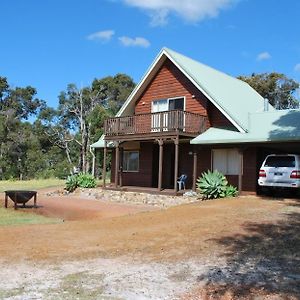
(30, 184)
(12, 217)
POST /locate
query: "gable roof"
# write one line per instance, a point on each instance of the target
(233, 97)
(274, 126)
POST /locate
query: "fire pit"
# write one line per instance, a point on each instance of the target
(20, 197)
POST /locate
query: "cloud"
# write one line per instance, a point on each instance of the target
(134, 42)
(103, 36)
(189, 10)
(297, 67)
(263, 56)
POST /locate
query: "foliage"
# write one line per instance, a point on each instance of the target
(215, 185)
(71, 183)
(82, 180)
(277, 88)
(86, 180)
(231, 191)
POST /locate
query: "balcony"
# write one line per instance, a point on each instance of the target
(167, 122)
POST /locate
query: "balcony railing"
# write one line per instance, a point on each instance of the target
(168, 121)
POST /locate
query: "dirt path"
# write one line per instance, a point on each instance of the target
(245, 240)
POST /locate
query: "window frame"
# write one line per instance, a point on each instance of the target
(168, 101)
(124, 162)
(239, 161)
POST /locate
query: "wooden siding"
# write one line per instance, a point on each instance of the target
(169, 82)
(217, 119)
(250, 173)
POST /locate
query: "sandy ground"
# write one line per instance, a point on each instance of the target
(222, 249)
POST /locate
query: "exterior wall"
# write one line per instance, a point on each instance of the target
(143, 177)
(168, 83)
(217, 119)
(250, 167)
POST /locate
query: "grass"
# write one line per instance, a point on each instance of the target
(9, 216)
(34, 184)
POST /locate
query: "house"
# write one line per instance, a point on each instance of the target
(185, 118)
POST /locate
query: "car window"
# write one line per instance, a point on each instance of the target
(280, 161)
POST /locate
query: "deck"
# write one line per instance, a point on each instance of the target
(161, 123)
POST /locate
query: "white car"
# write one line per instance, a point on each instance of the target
(280, 170)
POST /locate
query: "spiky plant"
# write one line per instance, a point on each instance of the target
(231, 191)
(71, 183)
(212, 185)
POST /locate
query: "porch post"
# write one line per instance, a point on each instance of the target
(93, 152)
(104, 164)
(241, 171)
(176, 143)
(195, 158)
(121, 166)
(160, 164)
(117, 163)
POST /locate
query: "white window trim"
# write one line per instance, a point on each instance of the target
(168, 100)
(131, 171)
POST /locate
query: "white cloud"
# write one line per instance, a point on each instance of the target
(134, 42)
(190, 10)
(103, 36)
(263, 56)
(297, 67)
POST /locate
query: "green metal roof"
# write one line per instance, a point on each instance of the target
(281, 125)
(235, 97)
(100, 143)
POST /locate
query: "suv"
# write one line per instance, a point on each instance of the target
(280, 171)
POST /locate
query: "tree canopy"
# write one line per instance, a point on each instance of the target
(276, 87)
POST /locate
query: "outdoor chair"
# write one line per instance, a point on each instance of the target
(181, 181)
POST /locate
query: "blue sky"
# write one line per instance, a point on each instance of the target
(50, 43)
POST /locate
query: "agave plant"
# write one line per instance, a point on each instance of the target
(212, 185)
(231, 191)
(71, 183)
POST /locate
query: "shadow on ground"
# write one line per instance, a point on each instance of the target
(266, 259)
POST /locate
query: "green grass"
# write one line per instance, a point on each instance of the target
(9, 216)
(34, 184)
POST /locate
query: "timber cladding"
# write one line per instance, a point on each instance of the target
(169, 82)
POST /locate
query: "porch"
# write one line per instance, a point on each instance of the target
(160, 163)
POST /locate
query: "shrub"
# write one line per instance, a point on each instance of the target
(86, 180)
(80, 180)
(212, 185)
(71, 183)
(231, 191)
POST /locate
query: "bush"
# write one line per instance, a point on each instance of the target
(231, 191)
(214, 185)
(86, 180)
(71, 183)
(81, 180)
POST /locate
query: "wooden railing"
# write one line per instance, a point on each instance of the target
(167, 121)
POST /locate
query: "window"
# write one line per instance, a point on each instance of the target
(131, 161)
(226, 161)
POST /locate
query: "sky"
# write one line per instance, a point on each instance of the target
(50, 43)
